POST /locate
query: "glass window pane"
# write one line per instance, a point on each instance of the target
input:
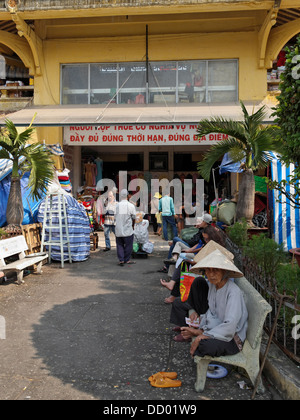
(191, 81)
(74, 84)
(103, 83)
(222, 81)
(162, 82)
(132, 83)
(125, 83)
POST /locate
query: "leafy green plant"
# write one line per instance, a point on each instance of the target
(267, 253)
(288, 278)
(288, 108)
(238, 233)
(2, 233)
(287, 118)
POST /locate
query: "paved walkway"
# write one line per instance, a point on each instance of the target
(94, 330)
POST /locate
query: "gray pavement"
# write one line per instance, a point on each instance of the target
(97, 331)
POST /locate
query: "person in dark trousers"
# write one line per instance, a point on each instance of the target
(166, 206)
(125, 217)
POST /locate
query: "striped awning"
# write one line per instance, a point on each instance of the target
(55, 149)
(286, 218)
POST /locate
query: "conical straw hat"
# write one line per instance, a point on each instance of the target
(217, 259)
(210, 247)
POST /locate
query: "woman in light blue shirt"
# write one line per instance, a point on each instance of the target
(166, 207)
(223, 328)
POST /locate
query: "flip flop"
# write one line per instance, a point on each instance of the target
(170, 375)
(130, 262)
(162, 270)
(121, 264)
(163, 382)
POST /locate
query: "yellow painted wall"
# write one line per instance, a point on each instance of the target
(51, 135)
(236, 45)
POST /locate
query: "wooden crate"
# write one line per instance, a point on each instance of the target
(32, 235)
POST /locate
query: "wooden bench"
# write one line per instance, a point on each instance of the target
(17, 246)
(248, 358)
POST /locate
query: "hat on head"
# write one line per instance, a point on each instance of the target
(124, 193)
(157, 195)
(206, 217)
(217, 259)
(210, 247)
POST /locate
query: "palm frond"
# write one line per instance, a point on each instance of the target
(25, 135)
(215, 153)
(6, 143)
(253, 123)
(11, 129)
(17, 139)
(229, 127)
(40, 164)
(4, 154)
(248, 139)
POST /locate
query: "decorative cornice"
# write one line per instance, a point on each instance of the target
(33, 40)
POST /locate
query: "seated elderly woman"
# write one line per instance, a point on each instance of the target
(196, 304)
(222, 330)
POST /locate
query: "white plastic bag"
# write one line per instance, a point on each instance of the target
(148, 247)
(141, 234)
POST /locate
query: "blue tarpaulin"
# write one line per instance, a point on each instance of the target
(227, 165)
(29, 204)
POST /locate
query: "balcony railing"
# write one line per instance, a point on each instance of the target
(26, 5)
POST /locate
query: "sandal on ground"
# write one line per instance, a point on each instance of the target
(162, 270)
(130, 262)
(163, 382)
(121, 263)
(170, 375)
(169, 299)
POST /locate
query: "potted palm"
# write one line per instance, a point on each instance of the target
(249, 141)
(25, 157)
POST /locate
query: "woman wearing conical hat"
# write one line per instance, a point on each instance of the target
(197, 303)
(223, 328)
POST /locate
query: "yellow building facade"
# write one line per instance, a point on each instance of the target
(147, 48)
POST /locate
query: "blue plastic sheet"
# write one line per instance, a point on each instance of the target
(227, 165)
(30, 205)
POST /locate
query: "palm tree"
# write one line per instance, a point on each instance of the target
(35, 158)
(249, 141)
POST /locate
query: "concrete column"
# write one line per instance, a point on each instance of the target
(76, 169)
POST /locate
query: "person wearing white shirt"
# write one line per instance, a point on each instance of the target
(125, 217)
